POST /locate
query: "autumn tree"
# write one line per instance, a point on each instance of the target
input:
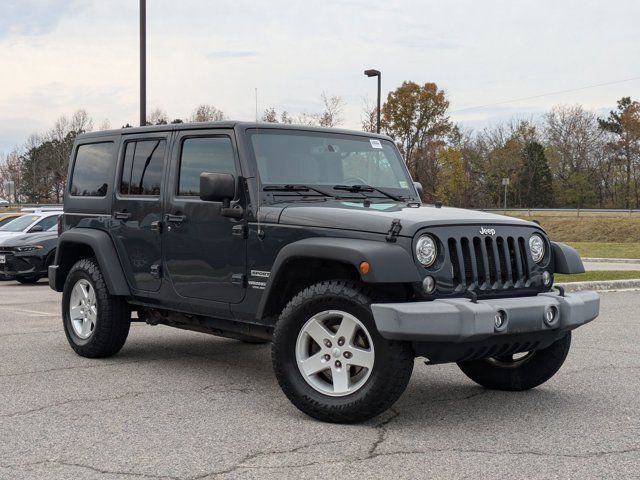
(453, 177)
(415, 116)
(623, 124)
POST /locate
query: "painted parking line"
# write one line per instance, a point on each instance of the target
(32, 313)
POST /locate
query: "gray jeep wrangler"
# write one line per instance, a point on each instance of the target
(314, 240)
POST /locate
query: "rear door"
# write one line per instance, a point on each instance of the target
(137, 208)
(203, 257)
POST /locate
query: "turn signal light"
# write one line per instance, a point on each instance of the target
(364, 268)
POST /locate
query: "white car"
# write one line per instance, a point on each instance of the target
(33, 222)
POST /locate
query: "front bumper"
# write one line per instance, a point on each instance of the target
(460, 320)
(18, 265)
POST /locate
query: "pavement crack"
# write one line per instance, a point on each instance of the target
(62, 463)
(382, 430)
(242, 463)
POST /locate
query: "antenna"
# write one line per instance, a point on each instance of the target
(255, 154)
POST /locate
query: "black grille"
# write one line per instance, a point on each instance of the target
(488, 263)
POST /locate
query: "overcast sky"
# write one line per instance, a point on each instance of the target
(57, 56)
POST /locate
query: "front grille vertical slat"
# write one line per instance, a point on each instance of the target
(474, 264)
(507, 260)
(515, 248)
(461, 268)
(496, 260)
(485, 261)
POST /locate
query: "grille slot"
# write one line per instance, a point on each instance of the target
(488, 263)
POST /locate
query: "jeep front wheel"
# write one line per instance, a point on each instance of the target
(96, 323)
(520, 371)
(330, 360)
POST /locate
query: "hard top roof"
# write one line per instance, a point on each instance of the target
(224, 124)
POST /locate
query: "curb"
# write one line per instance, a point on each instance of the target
(605, 285)
(610, 260)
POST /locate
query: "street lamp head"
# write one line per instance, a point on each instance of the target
(372, 73)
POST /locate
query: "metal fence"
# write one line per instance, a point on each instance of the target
(576, 211)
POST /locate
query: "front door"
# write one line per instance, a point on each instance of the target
(137, 209)
(203, 257)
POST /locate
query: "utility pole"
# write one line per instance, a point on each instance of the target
(505, 182)
(143, 62)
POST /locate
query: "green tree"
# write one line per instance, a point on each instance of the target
(534, 185)
(453, 179)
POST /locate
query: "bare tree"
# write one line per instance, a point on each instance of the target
(332, 113)
(10, 171)
(157, 116)
(369, 117)
(207, 113)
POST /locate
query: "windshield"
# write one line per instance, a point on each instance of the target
(289, 157)
(19, 224)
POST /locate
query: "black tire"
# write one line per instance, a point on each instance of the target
(113, 317)
(389, 375)
(28, 280)
(516, 375)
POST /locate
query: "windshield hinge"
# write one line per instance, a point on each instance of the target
(394, 231)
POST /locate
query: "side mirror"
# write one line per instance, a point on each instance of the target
(36, 229)
(419, 188)
(217, 187)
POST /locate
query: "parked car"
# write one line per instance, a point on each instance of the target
(7, 217)
(34, 222)
(313, 239)
(26, 258)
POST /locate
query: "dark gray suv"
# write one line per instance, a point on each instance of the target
(315, 240)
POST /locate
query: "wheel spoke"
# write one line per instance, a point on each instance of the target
(74, 312)
(318, 332)
(341, 380)
(314, 364)
(361, 358)
(347, 329)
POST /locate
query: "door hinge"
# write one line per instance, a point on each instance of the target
(238, 279)
(239, 230)
(156, 271)
(394, 231)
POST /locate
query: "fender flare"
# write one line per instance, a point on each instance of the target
(389, 262)
(105, 253)
(566, 259)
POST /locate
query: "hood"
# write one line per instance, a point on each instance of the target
(18, 239)
(377, 218)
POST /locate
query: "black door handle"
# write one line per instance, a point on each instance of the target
(121, 215)
(175, 218)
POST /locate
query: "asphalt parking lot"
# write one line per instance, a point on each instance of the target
(182, 405)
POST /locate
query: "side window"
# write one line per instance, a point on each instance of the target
(90, 176)
(142, 169)
(203, 154)
(47, 222)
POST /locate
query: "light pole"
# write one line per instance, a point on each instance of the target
(376, 73)
(143, 62)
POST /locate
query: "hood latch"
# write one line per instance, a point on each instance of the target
(394, 231)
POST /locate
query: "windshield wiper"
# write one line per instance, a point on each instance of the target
(293, 188)
(367, 188)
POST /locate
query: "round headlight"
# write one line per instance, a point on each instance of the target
(426, 250)
(536, 246)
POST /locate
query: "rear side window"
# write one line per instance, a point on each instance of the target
(47, 222)
(90, 176)
(142, 168)
(203, 154)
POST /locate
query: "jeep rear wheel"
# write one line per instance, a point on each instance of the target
(521, 371)
(330, 360)
(96, 323)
